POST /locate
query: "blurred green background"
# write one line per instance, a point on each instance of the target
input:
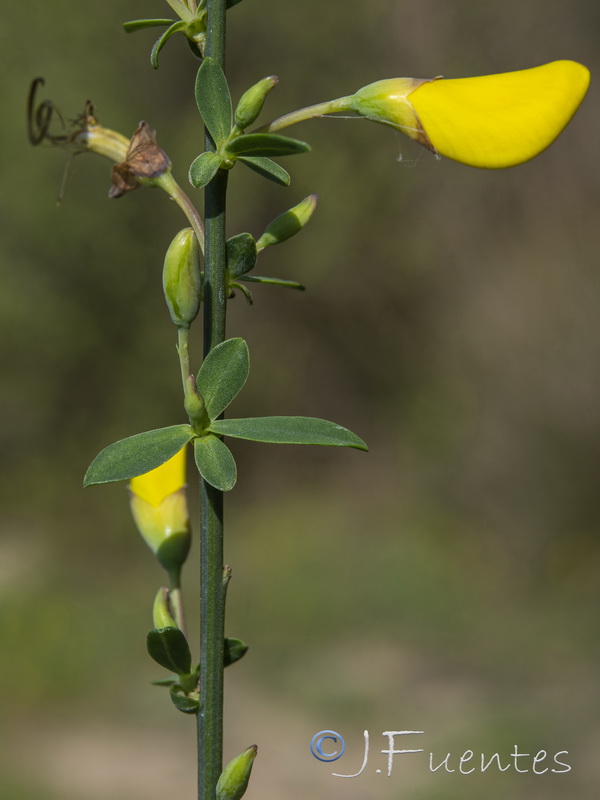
(445, 582)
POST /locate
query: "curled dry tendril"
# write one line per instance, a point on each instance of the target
(40, 118)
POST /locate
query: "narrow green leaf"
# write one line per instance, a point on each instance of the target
(241, 254)
(266, 144)
(162, 40)
(222, 375)
(231, 3)
(273, 282)
(244, 290)
(234, 650)
(215, 462)
(214, 100)
(288, 430)
(137, 454)
(186, 703)
(164, 682)
(268, 169)
(140, 24)
(169, 648)
(203, 169)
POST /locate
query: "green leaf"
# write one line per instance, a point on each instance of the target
(214, 100)
(164, 682)
(186, 703)
(215, 462)
(223, 374)
(243, 289)
(231, 3)
(241, 254)
(266, 144)
(288, 430)
(234, 650)
(169, 648)
(140, 24)
(203, 169)
(137, 454)
(268, 169)
(273, 282)
(162, 40)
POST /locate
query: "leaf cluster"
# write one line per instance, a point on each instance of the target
(231, 144)
(220, 378)
(169, 648)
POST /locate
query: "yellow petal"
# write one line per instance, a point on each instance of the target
(159, 483)
(497, 121)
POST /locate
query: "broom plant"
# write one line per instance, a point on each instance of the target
(493, 121)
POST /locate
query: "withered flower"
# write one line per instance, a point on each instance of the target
(144, 160)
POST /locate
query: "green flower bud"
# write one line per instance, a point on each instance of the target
(252, 101)
(161, 614)
(289, 223)
(234, 779)
(181, 278)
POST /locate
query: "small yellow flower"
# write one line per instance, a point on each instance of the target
(492, 121)
(159, 508)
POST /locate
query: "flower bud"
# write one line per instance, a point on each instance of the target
(161, 614)
(233, 781)
(159, 508)
(251, 102)
(181, 278)
(492, 121)
(289, 223)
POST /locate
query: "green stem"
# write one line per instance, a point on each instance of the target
(183, 339)
(215, 261)
(212, 590)
(168, 183)
(309, 112)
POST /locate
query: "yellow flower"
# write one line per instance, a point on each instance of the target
(159, 508)
(492, 121)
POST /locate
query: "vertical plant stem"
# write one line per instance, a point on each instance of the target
(212, 589)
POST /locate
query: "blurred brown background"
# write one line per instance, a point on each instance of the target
(445, 582)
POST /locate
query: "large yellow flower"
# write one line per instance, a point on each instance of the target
(492, 121)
